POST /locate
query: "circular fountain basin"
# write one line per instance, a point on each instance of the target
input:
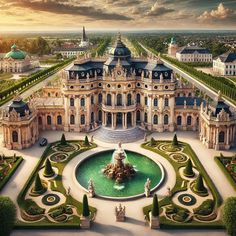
(91, 168)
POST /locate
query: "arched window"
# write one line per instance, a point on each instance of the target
(109, 99)
(14, 136)
(145, 117)
(100, 116)
(146, 101)
(166, 102)
(221, 137)
(138, 116)
(138, 98)
(129, 99)
(92, 117)
(49, 120)
(72, 102)
(82, 102)
(99, 98)
(189, 120)
(119, 100)
(92, 100)
(155, 119)
(72, 119)
(59, 120)
(179, 120)
(40, 120)
(166, 119)
(155, 102)
(82, 119)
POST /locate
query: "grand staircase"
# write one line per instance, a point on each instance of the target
(119, 135)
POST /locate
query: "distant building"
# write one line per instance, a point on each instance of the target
(173, 47)
(194, 54)
(225, 64)
(17, 61)
(84, 40)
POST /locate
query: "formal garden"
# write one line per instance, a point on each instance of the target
(8, 166)
(194, 201)
(43, 201)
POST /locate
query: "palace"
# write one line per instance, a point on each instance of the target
(119, 93)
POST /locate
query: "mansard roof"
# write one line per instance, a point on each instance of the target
(193, 49)
(227, 57)
(19, 106)
(179, 101)
(217, 107)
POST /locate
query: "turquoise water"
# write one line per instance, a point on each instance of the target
(92, 168)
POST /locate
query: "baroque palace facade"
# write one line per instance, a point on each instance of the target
(119, 92)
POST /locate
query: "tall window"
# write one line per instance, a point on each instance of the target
(92, 117)
(145, 117)
(82, 102)
(92, 100)
(14, 136)
(99, 98)
(129, 99)
(138, 98)
(82, 119)
(40, 120)
(166, 119)
(119, 100)
(155, 119)
(189, 120)
(72, 119)
(221, 137)
(138, 116)
(59, 120)
(100, 116)
(72, 102)
(49, 120)
(155, 102)
(179, 120)
(146, 101)
(109, 99)
(166, 102)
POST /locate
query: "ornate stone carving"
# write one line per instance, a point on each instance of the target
(120, 213)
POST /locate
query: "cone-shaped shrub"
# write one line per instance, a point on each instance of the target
(152, 142)
(86, 141)
(199, 186)
(85, 206)
(175, 141)
(48, 171)
(63, 140)
(188, 171)
(155, 206)
(38, 186)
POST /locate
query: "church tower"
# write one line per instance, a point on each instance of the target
(173, 47)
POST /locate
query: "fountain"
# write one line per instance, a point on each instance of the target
(118, 169)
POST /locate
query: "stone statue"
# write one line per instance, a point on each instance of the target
(145, 137)
(91, 189)
(120, 213)
(147, 187)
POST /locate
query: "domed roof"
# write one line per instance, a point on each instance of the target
(19, 106)
(120, 50)
(173, 40)
(15, 53)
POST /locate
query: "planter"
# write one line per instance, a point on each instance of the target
(85, 222)
(154, 221)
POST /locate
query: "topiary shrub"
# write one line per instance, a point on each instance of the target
(155, 206)
(63, 139)
(86, 141)
(7, 215)
(229, 215)
(38, 186)
(188, 170)
(48, 171)
(205, 208)
(86, 212)
(175, 142)
(152, 142)
(199, 185)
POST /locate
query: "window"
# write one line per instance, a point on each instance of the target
(129, 99)
(155, 119)
(146, 101)
(99, 98)
(138, 116)
(72, 119)
(119, 100)
(145, 117)
(72, 102)
(166, 119)
(82, 102)
(221, 137)
(166, 102)
(82, 119)
(179, 120)
(14, 136)
(155, 102)
(100, 116)
(138, 98)
(109, 99)
(189, 120)
(40, 120)
(49, 120)
(92, 100)
(92, 117)
(59, 120)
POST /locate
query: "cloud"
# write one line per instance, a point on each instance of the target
(68, 7)
(221, 14)
(157, 10)
(123, 3)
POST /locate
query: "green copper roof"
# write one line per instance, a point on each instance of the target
(173, 40)
(15, 53)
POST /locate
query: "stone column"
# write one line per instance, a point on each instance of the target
(217, 139)
(105, 120)
(66, 106)
(113, 99)
(115, 120)
(227, 138)
(112, 121)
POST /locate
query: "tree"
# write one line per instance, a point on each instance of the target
(48, 171)
(152, 142)
(155, 206)
(86, 212)
(63, 139)
(38, 186)
(175, 141)
(86, 141)
(7, 215)
(229, 215)
(188, 171)
(199, 185)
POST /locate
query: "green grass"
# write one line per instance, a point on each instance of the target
(5, 76)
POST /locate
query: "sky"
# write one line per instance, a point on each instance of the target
(43, 15)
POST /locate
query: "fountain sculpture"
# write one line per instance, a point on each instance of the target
(118, 169)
